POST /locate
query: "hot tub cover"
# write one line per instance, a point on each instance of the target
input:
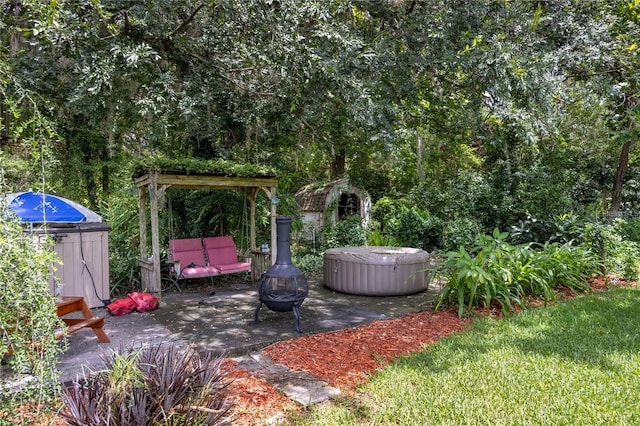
(36, 207)
(382, 255)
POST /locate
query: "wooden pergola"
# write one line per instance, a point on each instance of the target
(152, 185)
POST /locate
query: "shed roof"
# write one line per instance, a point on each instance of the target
(315, 197)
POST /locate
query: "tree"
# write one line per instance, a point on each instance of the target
(490, 88)
(601, 51)
(27, 134)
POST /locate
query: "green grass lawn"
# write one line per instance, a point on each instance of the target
(573, 363)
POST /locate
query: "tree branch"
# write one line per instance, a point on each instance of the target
(187, 21)
(411, 7)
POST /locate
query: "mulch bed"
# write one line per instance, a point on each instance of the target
(345, 358)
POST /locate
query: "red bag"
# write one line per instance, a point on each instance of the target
(121, 306)
(144, 301)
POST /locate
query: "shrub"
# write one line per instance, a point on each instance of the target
(412, 227)
(28, 315)
(567, 264)
(375, 237)
(628, 252)
(310, 264)
(409, 227)
(152, 385)
(464, 193)
(459, 232)
(629, 229)
(385, 210)
(629, 255)
(563, 229)
(347, 232)
(480, 279)
(617, 256)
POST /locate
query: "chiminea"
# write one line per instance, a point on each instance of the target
(283, 287)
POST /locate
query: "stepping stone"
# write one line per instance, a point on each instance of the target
(300, 386)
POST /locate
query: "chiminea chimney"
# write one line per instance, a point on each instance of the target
(283, 287)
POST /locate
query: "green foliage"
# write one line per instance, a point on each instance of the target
(619, 256)
(310, 264)
(608, 240)
(204, 212)
(480, 279)
(196, 166)
(461, 195)
(376, 238)
(615, 253)
(374, 181)
(121, 212)
(568, 265)
(407, 225)
(459, 232)
(347, 232)
(563, 228)
(28, 318)
(159, 385)
(504, 274)
(386, 209)
(418, 229)
(629, 229)
(629, 255)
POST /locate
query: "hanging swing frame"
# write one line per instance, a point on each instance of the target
(152, 185)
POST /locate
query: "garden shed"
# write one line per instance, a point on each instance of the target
(328, 203)
(153, 181)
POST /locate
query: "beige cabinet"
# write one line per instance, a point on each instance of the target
(84, 252)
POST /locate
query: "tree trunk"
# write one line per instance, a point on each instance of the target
(338, 164)
(105, 171)
(420, 152)
(618, 179)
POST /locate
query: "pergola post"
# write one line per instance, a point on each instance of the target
(143, 199)
(155, 281)
(147, 277)
(251, 195)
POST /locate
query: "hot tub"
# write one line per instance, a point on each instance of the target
(376, 271)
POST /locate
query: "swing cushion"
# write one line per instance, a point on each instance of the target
(223, 256)
(189, 259)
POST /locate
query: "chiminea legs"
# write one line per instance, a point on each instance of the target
(294, 308)
(297, 315)
(255, 316)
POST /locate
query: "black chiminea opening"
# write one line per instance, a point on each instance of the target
(283, 287)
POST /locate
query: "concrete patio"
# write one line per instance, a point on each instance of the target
(223, 324)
